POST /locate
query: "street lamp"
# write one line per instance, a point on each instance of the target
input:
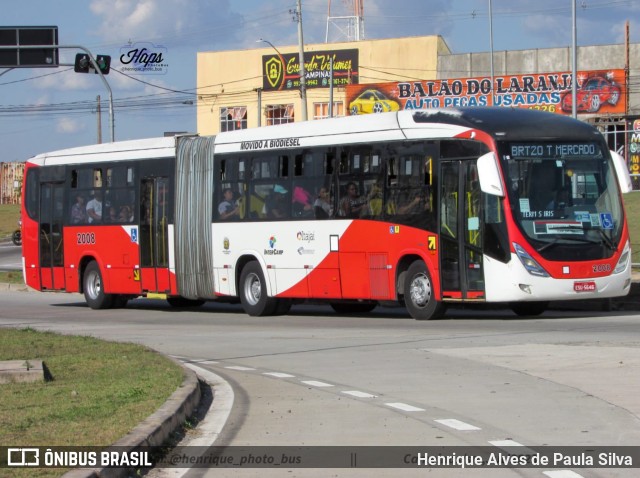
(259, 90)
(272, 46)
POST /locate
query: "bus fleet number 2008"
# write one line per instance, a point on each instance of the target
(86, 238)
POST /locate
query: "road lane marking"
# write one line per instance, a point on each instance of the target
(562, 474)
(316, 383)
(504, 443)
(405, 407)
(356, 393)
(457, 424)
(240, 368)
(279, 374)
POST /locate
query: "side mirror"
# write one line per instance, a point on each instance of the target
(489, 175)
(622, 172)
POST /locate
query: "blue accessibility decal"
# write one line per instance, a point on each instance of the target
(606, 220)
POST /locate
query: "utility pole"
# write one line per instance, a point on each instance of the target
(99, 113)
(303, 80)
(259, 90)
(574, 61)
(331, 87)
(491, 48)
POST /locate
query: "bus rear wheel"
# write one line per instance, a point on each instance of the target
(418, 293)
(93, 288)
(253, 292)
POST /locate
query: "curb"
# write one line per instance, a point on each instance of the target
(154, 430)
(5, 286)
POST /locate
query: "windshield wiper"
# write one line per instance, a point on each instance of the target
(555, 240)
(607, 240)
(548, 245)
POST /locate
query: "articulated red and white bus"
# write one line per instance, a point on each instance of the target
(422, 208)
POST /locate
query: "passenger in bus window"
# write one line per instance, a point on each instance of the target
(374, 199)
(322, 204)
(228, 208)
(94, 207)
(301, 199)
(125, 214)
(352, 204)
(113, 214)
(416, 204)
(276, 203)
(79, 210)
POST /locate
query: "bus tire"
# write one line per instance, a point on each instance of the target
(524, 309)
(179, 301)
(16, 237)
(418, 293)
(253, 292)
(93, 288)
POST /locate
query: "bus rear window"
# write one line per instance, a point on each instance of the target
(31, 200)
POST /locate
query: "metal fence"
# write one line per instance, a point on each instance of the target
(626, 142)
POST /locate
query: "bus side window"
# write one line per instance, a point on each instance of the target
(97, 178)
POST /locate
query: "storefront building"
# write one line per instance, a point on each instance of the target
(249, 88)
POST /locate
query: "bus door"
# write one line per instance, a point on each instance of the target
(50, 236)
(154, 234)
(460, 229)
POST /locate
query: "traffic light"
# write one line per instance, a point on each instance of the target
(104, 63)
(83, 63)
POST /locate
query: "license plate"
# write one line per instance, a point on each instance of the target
(584, 286)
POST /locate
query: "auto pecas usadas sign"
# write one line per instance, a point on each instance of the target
(598, 92)
(143, 58)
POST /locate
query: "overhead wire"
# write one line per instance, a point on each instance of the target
(184, 96)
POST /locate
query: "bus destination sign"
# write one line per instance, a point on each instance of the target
(554, 150)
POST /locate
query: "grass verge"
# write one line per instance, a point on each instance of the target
(9, 215)
(100, 391)
(632, 206)
(11, 277)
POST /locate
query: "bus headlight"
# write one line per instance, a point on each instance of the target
(624, 259)
(529, 262)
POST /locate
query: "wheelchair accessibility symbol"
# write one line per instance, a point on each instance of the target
(134, 234)
(606, 220)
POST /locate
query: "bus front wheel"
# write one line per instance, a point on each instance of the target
(418, 293)
(93, 288)
(253, 292)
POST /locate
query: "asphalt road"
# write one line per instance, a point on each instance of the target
(313, 378)
(10, 257)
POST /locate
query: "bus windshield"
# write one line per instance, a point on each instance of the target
(564, 198)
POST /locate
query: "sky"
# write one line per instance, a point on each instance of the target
(46, 109)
